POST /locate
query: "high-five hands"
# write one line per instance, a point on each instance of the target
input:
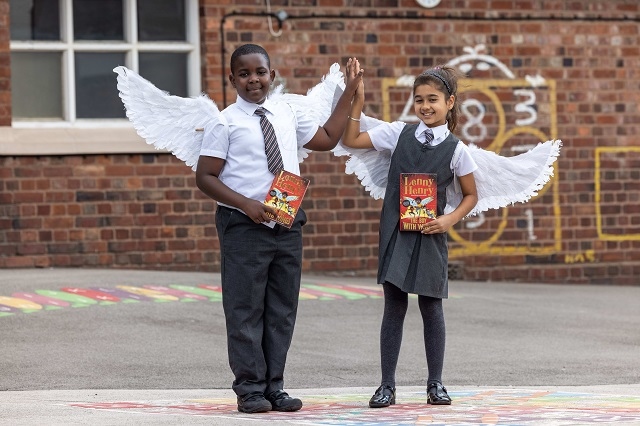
(354, 76)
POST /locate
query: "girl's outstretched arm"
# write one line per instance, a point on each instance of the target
(352, 137)
(443, 223)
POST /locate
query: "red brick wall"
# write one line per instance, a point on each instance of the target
(125, 211)
(145, 211)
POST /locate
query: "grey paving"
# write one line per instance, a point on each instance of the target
(509, 336)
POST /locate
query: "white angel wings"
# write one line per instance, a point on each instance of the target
(165, 121)
(176, 124)
(500, 181)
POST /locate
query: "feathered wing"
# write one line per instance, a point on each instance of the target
(167, 122)
(503, 181)
(318, 103)
(370, 166)
(500, 181)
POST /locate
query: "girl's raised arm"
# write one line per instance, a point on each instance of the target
(352, 137)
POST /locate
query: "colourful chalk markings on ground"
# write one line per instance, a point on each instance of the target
(470, 407)
(76, 297)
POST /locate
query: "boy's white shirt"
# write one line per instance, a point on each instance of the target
(239, 141)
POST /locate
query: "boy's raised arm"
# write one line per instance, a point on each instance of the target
(327, 136)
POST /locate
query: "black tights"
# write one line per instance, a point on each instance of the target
(396, 302)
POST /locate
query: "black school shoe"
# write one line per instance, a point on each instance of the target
(437, 394)
(281, 401)
(254, 402)
(384, 397)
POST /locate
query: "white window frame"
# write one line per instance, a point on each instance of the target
(92, 136)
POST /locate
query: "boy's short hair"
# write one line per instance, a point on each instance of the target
(248, 49)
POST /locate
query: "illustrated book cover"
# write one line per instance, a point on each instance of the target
(418, 200)
(285, 194)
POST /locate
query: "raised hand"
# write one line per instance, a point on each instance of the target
(354, 76)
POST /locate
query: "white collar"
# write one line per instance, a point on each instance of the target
(439, 132)
(250, 108)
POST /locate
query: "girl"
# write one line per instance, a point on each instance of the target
(416, 261)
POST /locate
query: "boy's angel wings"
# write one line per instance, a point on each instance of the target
(167, 122)
(319, 101)
(177, 124)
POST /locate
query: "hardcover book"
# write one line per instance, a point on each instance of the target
(418, 200)
(285, 194)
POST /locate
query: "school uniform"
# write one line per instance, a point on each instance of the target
(414, 262)
(261, 264)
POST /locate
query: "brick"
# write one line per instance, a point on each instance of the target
(588, 60)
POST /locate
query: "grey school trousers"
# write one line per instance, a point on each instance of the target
(260, 271)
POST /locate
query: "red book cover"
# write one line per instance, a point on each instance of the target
(285, 194)
(418, 200)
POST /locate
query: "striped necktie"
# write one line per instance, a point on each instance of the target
(274, 158)
(428, 135)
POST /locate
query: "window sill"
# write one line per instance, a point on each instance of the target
(72, 141)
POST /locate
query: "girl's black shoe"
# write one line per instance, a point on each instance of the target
(384, 397)
(437, 394)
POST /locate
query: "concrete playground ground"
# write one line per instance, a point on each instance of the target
(116, 347)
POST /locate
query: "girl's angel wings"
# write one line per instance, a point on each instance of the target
(370, 166)
(502, 181)
(167, 122)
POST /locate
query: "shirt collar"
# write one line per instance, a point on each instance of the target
(440, 133)
(250, 108)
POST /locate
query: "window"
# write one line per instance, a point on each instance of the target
(63, 53)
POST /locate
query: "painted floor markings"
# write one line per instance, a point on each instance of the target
(76, 297)
(471, 407)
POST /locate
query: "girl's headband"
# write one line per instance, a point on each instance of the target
(439, 77)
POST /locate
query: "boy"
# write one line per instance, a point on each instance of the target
(261, 261)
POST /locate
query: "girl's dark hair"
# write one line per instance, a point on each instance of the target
(248, 49)
(445, 79)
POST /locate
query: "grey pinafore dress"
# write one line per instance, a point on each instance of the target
(414, 262)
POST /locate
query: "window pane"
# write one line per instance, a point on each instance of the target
(96, 85)
(98, 20)
(34, 20)
(161, 20)
(168, 71)
(36, 85)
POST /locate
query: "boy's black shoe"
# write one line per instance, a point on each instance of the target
(384, 397)
(437, 394)
(281, 401)
(254, 402)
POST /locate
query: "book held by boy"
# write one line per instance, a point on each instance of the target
(285, 194)
(418, 200)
